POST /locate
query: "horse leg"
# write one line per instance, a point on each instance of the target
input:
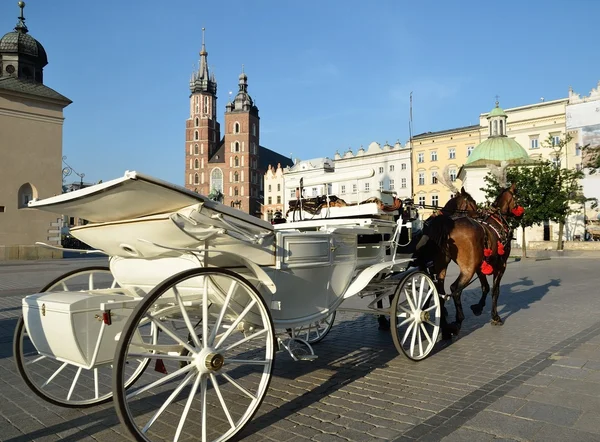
(496, 319)
(485, 289)
(456, 289)
(439, 285)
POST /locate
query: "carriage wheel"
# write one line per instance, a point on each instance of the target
(216, 348)
(415, 316)
(315, 331)
(65, 384)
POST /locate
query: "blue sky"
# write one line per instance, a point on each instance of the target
(326, 75)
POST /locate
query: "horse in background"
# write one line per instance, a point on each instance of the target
(478, 246)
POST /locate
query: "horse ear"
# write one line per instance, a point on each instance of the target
(462, 191)
(513, 187)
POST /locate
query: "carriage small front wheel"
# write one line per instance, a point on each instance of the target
(215, 351)
(415, 316)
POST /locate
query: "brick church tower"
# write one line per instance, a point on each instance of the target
(203, 132)
(229, 168)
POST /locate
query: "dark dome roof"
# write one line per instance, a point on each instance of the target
(24, 44)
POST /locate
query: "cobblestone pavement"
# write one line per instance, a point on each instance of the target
(537, 378)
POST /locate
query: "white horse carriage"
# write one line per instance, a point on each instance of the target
(205, 295)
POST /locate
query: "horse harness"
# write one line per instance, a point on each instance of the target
(499, 226)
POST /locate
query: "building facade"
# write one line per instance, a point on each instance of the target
(229, 166)
(31, 124)
(273, 186)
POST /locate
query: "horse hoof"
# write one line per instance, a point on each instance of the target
(477, 309)
(497, 322)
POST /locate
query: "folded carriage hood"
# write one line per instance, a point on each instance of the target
(132, 196)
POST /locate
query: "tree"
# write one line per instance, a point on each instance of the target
(544, 191)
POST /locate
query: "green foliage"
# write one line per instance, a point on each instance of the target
(544, 191)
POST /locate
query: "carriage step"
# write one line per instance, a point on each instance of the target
(307, 357)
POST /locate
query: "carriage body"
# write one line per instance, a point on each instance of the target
(187, 260)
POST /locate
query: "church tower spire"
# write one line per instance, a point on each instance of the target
(203, 132)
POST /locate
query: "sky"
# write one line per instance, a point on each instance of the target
(326, 75)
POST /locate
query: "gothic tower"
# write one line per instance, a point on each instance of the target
(203, 132)
(241, 151)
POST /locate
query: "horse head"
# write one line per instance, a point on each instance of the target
(462, 202)
(506, 203)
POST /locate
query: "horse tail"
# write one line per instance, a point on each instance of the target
(439, 230)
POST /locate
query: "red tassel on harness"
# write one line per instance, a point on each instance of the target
(518, 211)
(486, 269)
(500, 248)
(487, 252)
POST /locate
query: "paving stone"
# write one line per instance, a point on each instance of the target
(506, 405)
(554, 433)
(505, 426)
(589, 421)
(549, 413)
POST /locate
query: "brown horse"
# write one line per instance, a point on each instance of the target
(464, 240)
(461, 204)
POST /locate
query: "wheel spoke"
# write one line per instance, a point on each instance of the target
(407, 320)
(215, 383)
(407, 333)
(160, 381)
(427, 296)
(412, 340)
(172, 335)
(204, 313)
(421, 287)
(186, 409)
(186, 318)
(409, 299)
(51, 378)
(246, 339)
(420, 340)
(75, 379)
(203, 387)
(238, 386)
(424, 330)
(168, 401)
(246, 361)
(235, 323)
(214, 331)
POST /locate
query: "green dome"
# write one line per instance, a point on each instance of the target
(497, 112)
(498, 149)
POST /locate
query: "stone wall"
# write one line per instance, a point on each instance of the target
(13, 253)
(568, 245)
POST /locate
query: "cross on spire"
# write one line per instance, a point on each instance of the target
(497, 102)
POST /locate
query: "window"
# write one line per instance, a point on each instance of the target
(381, 170)
(196, 179)
(343, 189)
(354, 188)
(195, 149)
(253, 129)
(391, 167)
(556, 161)
(534, 143)
(367, 185)
(434, 155)
(236, 147)
(278, 199)
(293, 193)
(236, 177)
(403, 183)
(195, 135)
(278, 187)
(434, 200)
(421, 157)
(216, 180)
(269, 189)
(403, 166)
(452, 153)
(236, 162)
(197, 122)
(577, 149)
(315, 192)
(555, 140)
(270, 200)
(205, 107)
(452, 175)
(380, 185)
(434, 178)
(421, 178)
(196, 164)
(1, 209)
(421, 200)
(391, 184)
(470, 150)
(236, 128)
(236, 192)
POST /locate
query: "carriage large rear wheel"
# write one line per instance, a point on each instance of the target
(61, 383)
(415, 316)
(216, 349)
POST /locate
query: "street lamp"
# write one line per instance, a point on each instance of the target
(67, 170)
